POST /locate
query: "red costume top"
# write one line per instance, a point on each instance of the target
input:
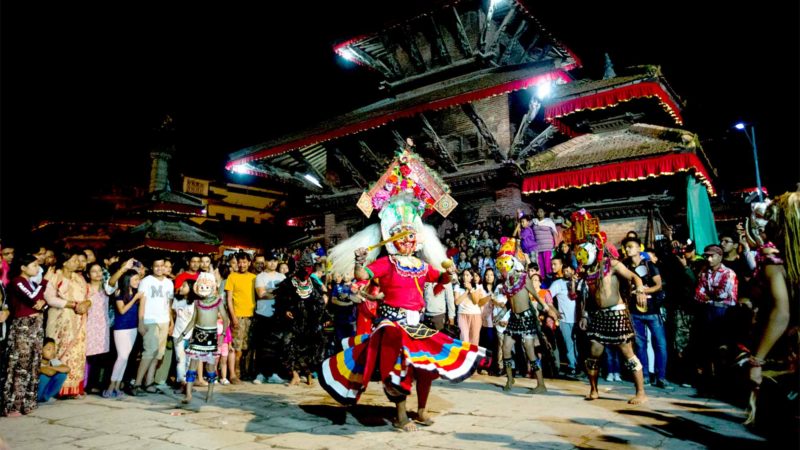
(403, 286)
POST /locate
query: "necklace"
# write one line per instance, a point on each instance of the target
(512, 286)
(201, 305)
(409, 266)
(303, 288)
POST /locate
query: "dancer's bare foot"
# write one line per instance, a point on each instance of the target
(187, 399)
(638, 399)
(593, 395)
(408, 425)
(540, 389)
(509, 383)
(423, 418)
(201, 383)
(295, 381)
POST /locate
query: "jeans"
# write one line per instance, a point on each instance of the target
(49, 386)
(613, 358)
(655, 324)
(569, 343)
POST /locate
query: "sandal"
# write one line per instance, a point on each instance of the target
(407, 426)
(151, 388)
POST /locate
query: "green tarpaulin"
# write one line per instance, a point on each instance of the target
(702, 229)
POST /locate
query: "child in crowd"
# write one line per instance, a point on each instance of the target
(183, 306)
(52, 373)
(227, 359)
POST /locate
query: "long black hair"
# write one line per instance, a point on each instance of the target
(26, 259)
(191, 296)
(125, 284)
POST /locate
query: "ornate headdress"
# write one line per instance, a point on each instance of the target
(509, 257)
(588, 239)
(781, 223)
(405, 194)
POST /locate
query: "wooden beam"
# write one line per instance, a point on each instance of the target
(460, 34)
(391, 47)
(533, 109)
(281, 175)
(494, 147)
(495, 42)
(367, 59)
(529, 47)
(543, 54)
(297, 155)
(537, 142)
(439, 54)
(398, 139)
(408, 44)
(444, 156)
(369, 157)
(487, 20)
(358, 179)
(508, 50)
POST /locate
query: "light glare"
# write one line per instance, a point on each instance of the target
(312, 180)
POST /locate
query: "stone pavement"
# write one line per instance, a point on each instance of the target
(475, 414)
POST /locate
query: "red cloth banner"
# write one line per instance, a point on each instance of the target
(609, 98)
(620, 171)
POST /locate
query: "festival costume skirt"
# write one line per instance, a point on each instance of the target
(611, 326)
(391, 354)
(523, 324)
(203, 344)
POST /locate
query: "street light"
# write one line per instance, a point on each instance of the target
(751, 138)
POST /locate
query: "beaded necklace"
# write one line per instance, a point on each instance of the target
(413, 267)
(511, 286)
(592, 277)
(207, 307)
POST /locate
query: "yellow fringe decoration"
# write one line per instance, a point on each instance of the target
(788, 219)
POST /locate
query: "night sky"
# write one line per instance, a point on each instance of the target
(82, 86)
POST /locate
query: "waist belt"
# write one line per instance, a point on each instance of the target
(719, 304)
(619, 307)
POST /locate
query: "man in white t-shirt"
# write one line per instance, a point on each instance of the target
(266, 353)
(155, 323)
(559, 290)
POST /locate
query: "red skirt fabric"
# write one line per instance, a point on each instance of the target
(391, 355)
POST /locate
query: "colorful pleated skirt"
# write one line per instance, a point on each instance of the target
(391, 354)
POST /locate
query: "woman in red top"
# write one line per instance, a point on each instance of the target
(25, 338)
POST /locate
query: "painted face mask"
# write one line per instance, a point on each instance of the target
(505, 264)
(408, 244)
(206, 285)
(586, 254)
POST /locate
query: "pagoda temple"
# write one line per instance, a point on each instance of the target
(465, 82)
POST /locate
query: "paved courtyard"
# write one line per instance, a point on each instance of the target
(474, 414)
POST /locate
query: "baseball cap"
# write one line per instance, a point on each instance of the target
(713, 250)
